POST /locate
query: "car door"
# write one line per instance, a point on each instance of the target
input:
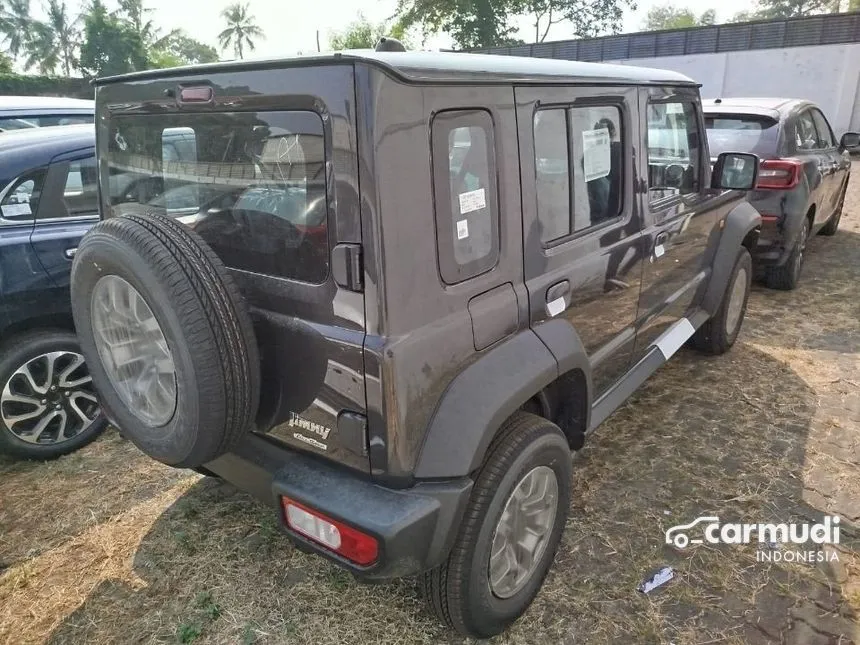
(67, 210)
(836, 164)
(817, 164)
(22, 277)
(678, 211)
(581, 224)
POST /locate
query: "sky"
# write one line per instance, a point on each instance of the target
(291, 26)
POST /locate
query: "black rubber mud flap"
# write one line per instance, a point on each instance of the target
(205, 325)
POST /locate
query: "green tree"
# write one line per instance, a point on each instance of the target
(15, 26)
(54, 42)
(768, 9)
(110, 45)
(363, 34)
(6, 64)
(135, 14)
(241, 29)
(178, 48)
(668, 16)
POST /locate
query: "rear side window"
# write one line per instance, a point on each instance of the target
(741, 133)
(574, 196)
(805, 134)
(21, 199)
(252, 184)
(464, 180)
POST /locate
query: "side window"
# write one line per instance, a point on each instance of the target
(805, 135)
(673, 150)
(825, 134)
(80, 194)
(464, 180)
(572, 197)
(21, 199)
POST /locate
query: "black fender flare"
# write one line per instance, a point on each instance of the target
(481, 397)
(740, 221)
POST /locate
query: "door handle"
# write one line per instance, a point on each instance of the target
(70, 253)
(555, 298)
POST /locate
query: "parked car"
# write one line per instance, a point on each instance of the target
(501, 260)
(48, 405)
(803, 178)
(26, 112)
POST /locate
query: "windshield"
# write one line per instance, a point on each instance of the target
(741, 133)
(252, 184)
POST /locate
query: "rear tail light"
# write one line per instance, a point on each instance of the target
(335, 536)
(779, 174)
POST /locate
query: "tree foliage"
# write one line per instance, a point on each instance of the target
(363, 34)
(792, 8)
(110, 45)
(668, 16)
(241, 29)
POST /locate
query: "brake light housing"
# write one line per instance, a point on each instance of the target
(779, 174)
(357, 547)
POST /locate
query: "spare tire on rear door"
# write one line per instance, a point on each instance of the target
(167, 337)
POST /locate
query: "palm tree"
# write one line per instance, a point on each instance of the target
(241, 29)
(15, 26)
(56, 39)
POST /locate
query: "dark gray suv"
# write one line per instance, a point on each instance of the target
(389, 293)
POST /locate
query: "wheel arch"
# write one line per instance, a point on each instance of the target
(741, 227)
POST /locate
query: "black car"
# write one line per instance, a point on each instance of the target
(48, 201)
(802, 180)
(389, 293)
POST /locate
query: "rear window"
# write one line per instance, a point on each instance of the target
(253, 185)
(741, 133)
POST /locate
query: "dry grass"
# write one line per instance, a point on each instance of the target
(106, 546)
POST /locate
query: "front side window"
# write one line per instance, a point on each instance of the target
(825, 134)
(673, 150)
(464, 176)
(573, 196)
(253, 185)
(80, 194)
(21, 200)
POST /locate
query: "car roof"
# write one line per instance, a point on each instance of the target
(44, 103)
(437, 67)
(766, 106)
(21, 150)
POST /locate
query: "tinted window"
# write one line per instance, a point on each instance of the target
(64, 119)
(805, 135)
(21, 199)
(14, 123)
(252, 184)
(80, 194)
(573, 197)
(467, 213)
(825, 134)
(741, 133)
(673, 150)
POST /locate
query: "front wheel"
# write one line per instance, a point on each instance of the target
(510, 532)
(721, 331)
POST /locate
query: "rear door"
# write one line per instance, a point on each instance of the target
(679, 213)
(268, 178)
(582, 244)
(68, 208)
(818, 165)
(838, 166)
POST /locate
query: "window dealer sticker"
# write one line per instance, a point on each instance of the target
(596, 160)
(462, 229)
(16, 210)
(473, 200)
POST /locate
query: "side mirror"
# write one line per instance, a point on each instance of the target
(735, 171)
(850, 140)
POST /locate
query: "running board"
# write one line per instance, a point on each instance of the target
(662, 349)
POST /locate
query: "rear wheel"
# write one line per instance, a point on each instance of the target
(787, 276)
(48, 406)
(167, 336)
(510, 532)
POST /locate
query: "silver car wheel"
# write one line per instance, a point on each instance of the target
(133, 350)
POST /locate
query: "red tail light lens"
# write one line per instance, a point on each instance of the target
(779, 174)
(335, 536)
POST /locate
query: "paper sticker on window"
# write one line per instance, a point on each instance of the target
(473, 200)
(462, 229)
(16, 210)
(596, 159)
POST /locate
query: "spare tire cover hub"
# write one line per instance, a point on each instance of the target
(133, 350)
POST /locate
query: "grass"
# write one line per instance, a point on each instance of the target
(107, 546)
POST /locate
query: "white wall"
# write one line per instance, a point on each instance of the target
(826, 74)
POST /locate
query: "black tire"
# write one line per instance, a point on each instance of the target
(715, 336)
(458, 591)
(787, 276)
(27, 350)
(205, 324)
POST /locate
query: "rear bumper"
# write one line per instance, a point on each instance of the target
(771, 248)
(415, 527)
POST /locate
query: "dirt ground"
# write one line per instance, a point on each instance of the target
(107, 546)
